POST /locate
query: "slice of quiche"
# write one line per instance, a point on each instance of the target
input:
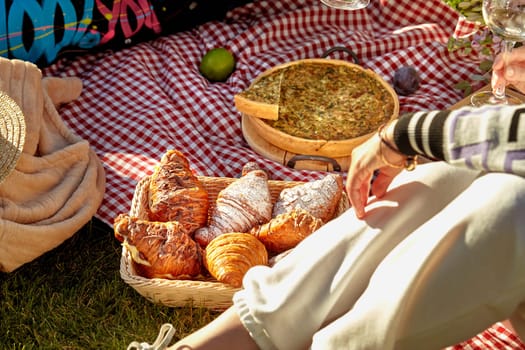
(261, 99)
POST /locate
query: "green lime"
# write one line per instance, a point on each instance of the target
(217, 64)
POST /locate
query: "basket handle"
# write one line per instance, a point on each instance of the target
(342, 48)
(291, 162)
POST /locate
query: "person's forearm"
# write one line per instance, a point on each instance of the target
(421, 133)
(486, 139)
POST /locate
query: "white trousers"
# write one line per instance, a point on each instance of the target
(439, 259)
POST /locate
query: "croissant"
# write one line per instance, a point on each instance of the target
(320, 198)
(176, 194)
(286, 230)
(244, 203)
(230, 255)
(159, 249)
(250, 166)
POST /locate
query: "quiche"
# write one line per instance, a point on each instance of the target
(320, 99)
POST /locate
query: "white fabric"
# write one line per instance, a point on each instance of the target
(439, 259)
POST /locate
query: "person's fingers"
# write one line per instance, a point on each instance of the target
(354, 196)
(498, 82)
(515, 73)
(363, 199)
(497, 65)
(366, 158)
(520, 86)
(365, 190)
(381, 183)
(357, 189)
(509, 70)
(516, 56)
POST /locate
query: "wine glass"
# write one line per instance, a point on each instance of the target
(506, 19)
(347, 4)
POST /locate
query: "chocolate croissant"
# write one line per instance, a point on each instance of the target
(230, 255)
(244, 203)
(286, 230)
(159, 249)
(176, 194)
(320, 198)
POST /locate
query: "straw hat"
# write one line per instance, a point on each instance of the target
(12, 134)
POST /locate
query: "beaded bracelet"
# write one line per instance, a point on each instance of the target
(410, 162)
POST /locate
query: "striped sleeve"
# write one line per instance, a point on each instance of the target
(491, 138)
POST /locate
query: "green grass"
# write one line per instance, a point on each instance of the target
(73, 298)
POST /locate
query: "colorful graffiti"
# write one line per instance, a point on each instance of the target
(38, 31)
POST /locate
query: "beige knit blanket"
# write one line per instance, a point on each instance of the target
(58, 183)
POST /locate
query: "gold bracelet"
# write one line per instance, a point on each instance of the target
(409, 163)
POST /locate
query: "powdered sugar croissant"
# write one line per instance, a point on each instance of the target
(286, 230)
(320, 198)
(176, 194)
(230, 255)
(244, 203)
(159, 249)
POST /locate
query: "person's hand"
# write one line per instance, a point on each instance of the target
(510, 70)
(367, 158)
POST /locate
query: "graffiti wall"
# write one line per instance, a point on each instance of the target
(41, 31)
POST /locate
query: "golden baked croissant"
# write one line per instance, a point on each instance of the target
(286, 230)
(176, 194)
(230, 255)
(320, 198)
(159, 249)
(250, 166)
(244, 203)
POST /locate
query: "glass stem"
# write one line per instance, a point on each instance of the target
(499, 91)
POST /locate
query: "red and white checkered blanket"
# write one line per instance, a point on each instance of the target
(141, 101)
(497, 337)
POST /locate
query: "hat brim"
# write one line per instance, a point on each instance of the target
(12, 134)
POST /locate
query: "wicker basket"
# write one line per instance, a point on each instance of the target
(177, 293)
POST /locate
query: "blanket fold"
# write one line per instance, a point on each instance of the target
(58, 183)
